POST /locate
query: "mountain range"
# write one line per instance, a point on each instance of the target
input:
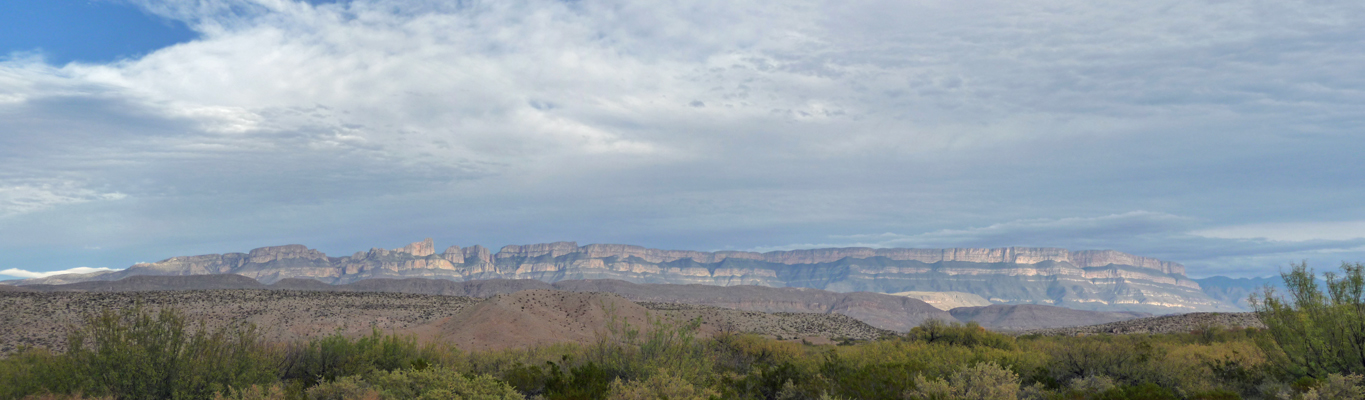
(1100, 280)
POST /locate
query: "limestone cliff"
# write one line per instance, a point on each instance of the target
(1093, 279)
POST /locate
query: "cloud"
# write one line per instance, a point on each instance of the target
(22, 199)
(1154, 234)
(713, 124)
(1290, 231)
(30, 274)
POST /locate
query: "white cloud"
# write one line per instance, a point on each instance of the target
(1154, 234)
(31, 274)
(1290, 231)
(342, 125)
(28, 198)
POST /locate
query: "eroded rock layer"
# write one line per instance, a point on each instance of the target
(1092, 280)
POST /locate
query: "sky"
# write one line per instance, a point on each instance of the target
(1226, 136)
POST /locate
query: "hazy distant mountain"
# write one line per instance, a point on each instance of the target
(1236, 291)
(1093, 280)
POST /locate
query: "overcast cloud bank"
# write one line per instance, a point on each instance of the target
(1223, 135)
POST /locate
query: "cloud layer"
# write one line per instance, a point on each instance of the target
(701, 125)
(30, 274)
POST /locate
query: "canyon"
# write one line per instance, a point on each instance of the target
(1099, 280)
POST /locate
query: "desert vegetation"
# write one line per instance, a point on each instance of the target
(1310, 348)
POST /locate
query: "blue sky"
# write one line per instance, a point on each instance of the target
(63, 31)
(1222, 135)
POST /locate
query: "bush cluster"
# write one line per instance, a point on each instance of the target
(137, 353)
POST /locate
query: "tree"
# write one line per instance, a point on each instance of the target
(137, 354)
(1312, 333)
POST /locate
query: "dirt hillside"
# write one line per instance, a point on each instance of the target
(1019, 317)
(1180, 323)
(538, 317)
(527, 318)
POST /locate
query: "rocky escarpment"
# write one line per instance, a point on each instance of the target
(1093, 280)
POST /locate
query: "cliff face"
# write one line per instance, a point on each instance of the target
(1094, 280)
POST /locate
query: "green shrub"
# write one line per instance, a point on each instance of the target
(981, 381)
(856, 379)
(435, 383)
(767, 382)
(587, 381)
(662, 384)
(1312, 333)
(254, 392)
(633, 353)
(37, 371)
(1145, 391)
(333, 356)
(971, 335)
(131, 354)
(1337, 387)
(562, 380)
(1220, 394)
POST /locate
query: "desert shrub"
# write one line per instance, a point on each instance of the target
(1103, 388)
(343, 388)
(663, 384)
(1199, 367)
(502, 362)
(1145, 391)
(274, 391)
(854, 378)
(769, 382)
(77, 396)
(563, 380)
(980, 381)
(1128, 359)
(1315, 333)
(738, 352)
(1218, 394)
(1093, 384)
(37, 371)
(435, 383)
(134, 354)
(587, 381)
(633, 353)
(1337, 387)
(335, 355)
(971, 334)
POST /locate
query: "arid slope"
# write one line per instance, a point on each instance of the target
(520, 319)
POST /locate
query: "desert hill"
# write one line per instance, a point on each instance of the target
(1023, 317)
(1180, 323)
(947, 300)
(511, 320)
(882, 311)
(879, 310)
(1090, 279)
